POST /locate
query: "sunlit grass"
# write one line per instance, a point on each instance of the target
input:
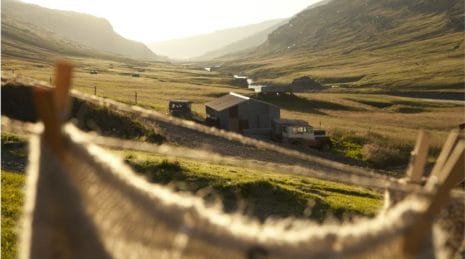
(12, 202)
(261, 193)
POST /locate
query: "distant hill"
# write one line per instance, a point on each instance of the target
(251, 41)
(79, 29)
(365, 43)
(24, 40)
(196, 46)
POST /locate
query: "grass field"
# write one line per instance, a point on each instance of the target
(14, 156)
(255, 192)
(355, 121)
(12, 202)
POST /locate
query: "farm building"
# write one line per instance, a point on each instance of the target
(273, 89)
(238, 113)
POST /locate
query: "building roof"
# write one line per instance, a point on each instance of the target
(227, 101)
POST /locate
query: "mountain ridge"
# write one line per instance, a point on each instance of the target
(198, 45)
(364, 43)
(83, 29)
(251, 41)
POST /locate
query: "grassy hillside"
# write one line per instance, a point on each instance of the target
(82, 29)
(195, 46)
(395, 44)
(25, 40)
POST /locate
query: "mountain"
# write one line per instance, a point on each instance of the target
(195, 46)
(365, 43)
(24, 40)
(251, 41)
(80, 29)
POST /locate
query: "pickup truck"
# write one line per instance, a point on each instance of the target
(299, 132)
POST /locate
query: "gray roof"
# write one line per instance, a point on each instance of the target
(227, 101)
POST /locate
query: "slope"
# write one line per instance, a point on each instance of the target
(416, 44)
(83, 29)
(195, 46)
(249, 42)
(24, 40)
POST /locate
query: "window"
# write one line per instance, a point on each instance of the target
(300, 130)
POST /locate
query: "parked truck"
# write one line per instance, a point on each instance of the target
(299, 132)
(180, 108)
(183, 109)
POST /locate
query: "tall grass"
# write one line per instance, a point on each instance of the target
(258, 193)
(12, 202)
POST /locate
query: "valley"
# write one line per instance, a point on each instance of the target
(373, 74)
(354, 120)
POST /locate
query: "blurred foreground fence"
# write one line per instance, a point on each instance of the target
(86, 203)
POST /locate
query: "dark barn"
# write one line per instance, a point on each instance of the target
(239, 113)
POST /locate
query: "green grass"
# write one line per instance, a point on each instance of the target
(12, 202)
(14, 156)
(399, 105)
(374, 150)
(258, 193)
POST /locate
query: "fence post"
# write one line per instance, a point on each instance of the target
(95, 90)
(135, 97)
(418, 158)
(452, 174)
(446, 151)
(63, 75)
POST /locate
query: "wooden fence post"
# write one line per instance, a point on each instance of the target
(95, 90)
(52, 106)
(135, 97)
(63, 71)
(418, 158)
(435, 176)
(453, 173)
(46, 110)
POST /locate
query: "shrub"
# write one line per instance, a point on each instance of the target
(107, 122)
(382, 156)
(372, 149)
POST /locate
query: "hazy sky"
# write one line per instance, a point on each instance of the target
(156, 20)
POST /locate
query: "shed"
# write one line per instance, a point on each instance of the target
(273, 89)
(238, 113)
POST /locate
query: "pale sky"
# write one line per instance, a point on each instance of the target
(156, 20)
